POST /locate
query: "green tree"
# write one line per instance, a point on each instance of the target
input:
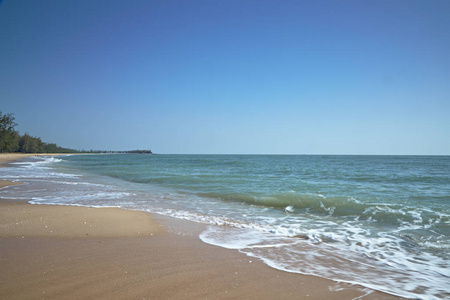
(11, 141)
(51, 148)
(9, 138)
(29, 144)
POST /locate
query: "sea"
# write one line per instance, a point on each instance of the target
(382, 222)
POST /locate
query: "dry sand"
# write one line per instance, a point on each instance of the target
(66, 252)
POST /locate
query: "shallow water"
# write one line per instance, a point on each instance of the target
(379, 221)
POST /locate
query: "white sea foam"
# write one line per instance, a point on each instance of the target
(289, 209)
(326, 260)
(377, 262)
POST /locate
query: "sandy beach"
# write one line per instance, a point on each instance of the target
(67, 252)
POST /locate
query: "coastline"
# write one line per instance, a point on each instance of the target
(78, 252)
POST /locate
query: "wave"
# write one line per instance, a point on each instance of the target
(348, 207)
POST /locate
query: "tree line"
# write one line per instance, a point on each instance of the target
(12, 141)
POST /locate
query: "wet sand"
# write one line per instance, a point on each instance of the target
(67, 252)
(7, 158)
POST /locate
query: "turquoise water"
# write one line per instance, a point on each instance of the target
(379, 221)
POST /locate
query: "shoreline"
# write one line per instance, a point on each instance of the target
(75, 252)
(7, 158)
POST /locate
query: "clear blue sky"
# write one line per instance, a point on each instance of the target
(226, 76)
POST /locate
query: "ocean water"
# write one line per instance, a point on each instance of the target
(379, 221)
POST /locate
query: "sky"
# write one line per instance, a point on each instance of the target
(230, 76)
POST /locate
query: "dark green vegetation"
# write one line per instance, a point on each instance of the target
(12, 141)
